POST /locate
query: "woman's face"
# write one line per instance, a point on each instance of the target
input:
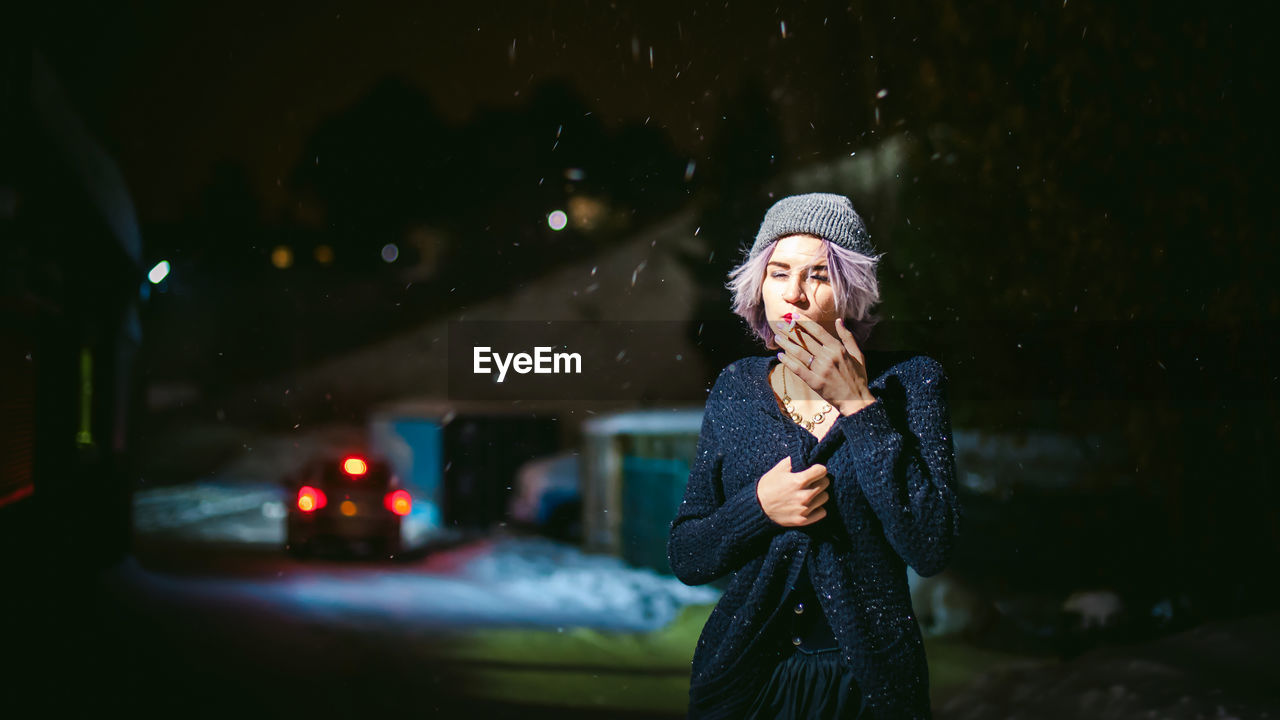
(796, 281)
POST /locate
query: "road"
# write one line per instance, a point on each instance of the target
(207, 631)
(209, 616)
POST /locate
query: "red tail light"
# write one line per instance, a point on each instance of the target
(398, 502)
(355, 467)
(311, 499)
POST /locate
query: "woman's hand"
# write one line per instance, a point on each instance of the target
(834, 368)
(793, 499)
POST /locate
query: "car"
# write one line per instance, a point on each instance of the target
(346, 501)
(547, 498)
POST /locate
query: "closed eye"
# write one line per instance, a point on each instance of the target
(780, 275)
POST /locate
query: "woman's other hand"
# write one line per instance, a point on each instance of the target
(835, 368)
(793, 499)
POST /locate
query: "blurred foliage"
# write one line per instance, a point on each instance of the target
(389, 170)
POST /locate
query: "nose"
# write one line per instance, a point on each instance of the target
(793, 291)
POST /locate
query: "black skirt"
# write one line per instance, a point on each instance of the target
(810, 681)
(808, 686)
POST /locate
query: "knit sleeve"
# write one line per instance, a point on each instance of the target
(712, 535)
(908, 478)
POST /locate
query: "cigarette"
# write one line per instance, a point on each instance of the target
(799, 335)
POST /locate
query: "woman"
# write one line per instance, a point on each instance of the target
(813, 487)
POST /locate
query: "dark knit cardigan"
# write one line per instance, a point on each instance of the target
(892, 504)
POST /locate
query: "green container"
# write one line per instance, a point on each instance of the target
(637, 465)
(655, 469)
(651, 492)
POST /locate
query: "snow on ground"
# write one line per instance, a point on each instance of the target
(213, 511)
(508, 582)
(549, 576)
(512, 581)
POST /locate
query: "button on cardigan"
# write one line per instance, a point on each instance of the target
(892, 504)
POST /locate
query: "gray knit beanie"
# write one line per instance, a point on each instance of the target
(826, 215)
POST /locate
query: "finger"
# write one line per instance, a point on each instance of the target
(850, 344)
(799, 367)
(805, 339)
(810, 483)
(818, 332)
(786, 342)
(815, 516)
(815, 485)
(789, 346)
(813, 502)
(814, 346)
(809, 476)
(799, 336)
(795, 349)
(794, 333)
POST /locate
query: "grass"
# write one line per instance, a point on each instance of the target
(581, 667)
(647, 672)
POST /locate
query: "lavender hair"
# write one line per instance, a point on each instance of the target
(853, 280)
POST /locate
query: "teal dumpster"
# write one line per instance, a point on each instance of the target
(636, 465)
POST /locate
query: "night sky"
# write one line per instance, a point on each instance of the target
(1113, 162)
(175, 89)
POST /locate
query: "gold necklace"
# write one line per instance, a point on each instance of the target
(791, 408)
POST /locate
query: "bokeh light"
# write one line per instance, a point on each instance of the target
(282, 257)
(159, 272)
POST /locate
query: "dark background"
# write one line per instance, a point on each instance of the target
(1087, 241)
